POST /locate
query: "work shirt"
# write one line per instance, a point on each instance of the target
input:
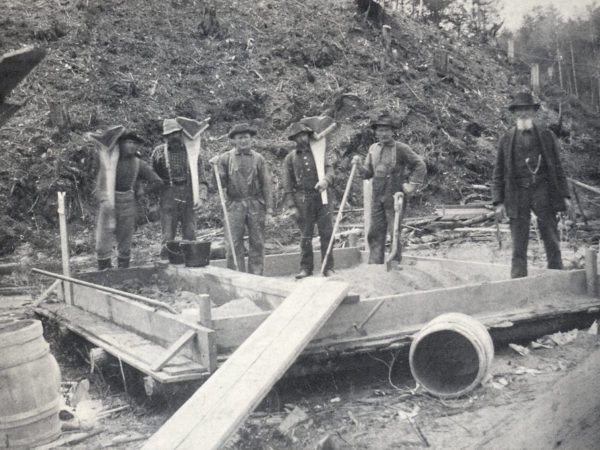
(172, 165)
(244, 174)
(390, 167)
(530, 165)
(300, 174)
(130, 170)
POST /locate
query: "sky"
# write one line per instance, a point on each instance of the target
(513, 11)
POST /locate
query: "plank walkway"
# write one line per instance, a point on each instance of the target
(221, 404)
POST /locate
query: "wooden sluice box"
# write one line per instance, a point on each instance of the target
(381, 310)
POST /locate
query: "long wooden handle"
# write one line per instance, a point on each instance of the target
(339, 217)
(99, 287)
(225, 216)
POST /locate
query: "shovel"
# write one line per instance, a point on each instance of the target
(392, 261)
(192, 130)
(225, 215)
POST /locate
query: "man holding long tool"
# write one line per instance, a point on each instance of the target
(120, 170)
(528, 176)
(185, 186)
(393, 167)
(304, 199)
(244, 175)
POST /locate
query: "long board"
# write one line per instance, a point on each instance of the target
(215, 410)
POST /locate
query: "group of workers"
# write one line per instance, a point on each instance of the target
(528, 176)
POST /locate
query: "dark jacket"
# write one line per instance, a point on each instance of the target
(293, 176)
(505, 189)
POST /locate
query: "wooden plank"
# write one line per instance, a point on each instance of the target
(221, 404)
(172, 350)
(593, 189)
(130, 347)
(158, 326)
(49, 290)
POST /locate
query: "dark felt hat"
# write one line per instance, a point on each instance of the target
(131, 135)
(385, 119)
(296, 128)
(241, 128)
(523, 100)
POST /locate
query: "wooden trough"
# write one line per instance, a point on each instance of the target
(176, 347)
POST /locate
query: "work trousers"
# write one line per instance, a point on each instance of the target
(177, 206)
(313, 211)
(248, 214)
(537, 199)
(382, 223)
(125, 218)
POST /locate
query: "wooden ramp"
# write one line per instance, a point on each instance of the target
(215, 411)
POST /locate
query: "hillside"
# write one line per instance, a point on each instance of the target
(268, 62)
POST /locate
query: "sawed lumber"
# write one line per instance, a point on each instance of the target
(215, 410)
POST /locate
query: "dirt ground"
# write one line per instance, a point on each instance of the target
(373, 406)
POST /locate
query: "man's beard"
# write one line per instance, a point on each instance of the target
(524, 124)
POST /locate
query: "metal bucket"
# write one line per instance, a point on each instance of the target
(196, 253)
(451, 355)
(29, 388)
(175, 252)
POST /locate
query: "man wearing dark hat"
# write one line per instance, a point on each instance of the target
(170, 161)
(393, 167)
(528, 176)
(302, 191)
(246, 179)
(119, 220)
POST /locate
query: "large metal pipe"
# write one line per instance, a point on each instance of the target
(99, 287)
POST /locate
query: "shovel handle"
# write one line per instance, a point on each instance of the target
(225, 215)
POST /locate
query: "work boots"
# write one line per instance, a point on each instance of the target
(104, 264)
(123, 262)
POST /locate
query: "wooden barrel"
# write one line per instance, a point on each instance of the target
(451, 355)
(29, 386)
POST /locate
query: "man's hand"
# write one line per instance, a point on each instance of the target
(500, 211)
(198, 206)
(269, 217)
(214, 160)
(321, 185)
(293, 212)
(356, 159)
(409, 188)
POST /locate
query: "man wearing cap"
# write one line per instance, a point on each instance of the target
(393, 167)
(528, 176)
(170, 161)
(120, 222)
(246, 179)
(303, 200)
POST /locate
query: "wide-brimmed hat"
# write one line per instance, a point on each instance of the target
(131, 135)
(385, 119)
(241, 128)
(296, 128)
(523, 100)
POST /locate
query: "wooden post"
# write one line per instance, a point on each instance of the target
(205, 311)
(511, 51)
(367, 197)
(574, 72)
(64, 248)
(551, 73)
(591, 271)
(387, 45)
(535, 78)
(558, 58)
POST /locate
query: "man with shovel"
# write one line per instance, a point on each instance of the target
(185, 190)
(394, 168)
(244, 176)
(120, 169)
(306, 177)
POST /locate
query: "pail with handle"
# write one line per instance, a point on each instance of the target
(175, 252)
(196, 253)
(451, 355)
(29, 386)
